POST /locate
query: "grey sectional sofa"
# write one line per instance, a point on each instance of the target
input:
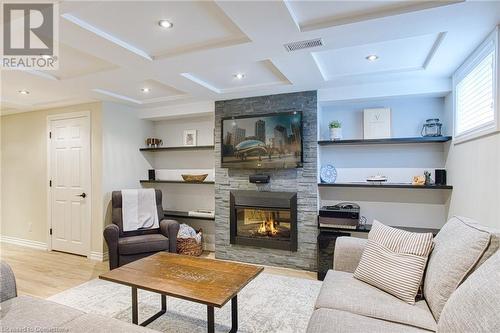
(461, 288)
(30, 314)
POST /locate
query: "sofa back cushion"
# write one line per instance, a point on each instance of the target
(394, 260)
(458, 247)
(474, 306)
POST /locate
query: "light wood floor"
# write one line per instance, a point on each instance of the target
(43, 274)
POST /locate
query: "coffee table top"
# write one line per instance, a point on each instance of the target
(209, 281)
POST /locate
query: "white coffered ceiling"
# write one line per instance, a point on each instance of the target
(111, 50)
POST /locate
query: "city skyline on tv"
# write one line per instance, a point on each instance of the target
(273, 141)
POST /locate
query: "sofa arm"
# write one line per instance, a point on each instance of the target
(8, 287)
(170, 229)
(347, 254)
(111, 235)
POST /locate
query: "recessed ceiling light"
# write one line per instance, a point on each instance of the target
(24, 92)
(239, 76)
(145, 90)
(165, 24)
(372, 57)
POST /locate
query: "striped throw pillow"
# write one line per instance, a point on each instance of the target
(394, 260)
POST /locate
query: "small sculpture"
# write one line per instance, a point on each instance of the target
(427, 175)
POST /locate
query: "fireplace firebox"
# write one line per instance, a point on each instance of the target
(264, 219)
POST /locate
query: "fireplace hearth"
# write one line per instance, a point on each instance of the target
(264, 219)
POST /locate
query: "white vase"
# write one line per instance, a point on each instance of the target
(335, 134)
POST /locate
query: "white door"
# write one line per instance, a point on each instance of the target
(69, 174)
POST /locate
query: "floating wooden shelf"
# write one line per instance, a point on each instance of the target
(183, 214)
(175, 182)
(388, 185)
(428, 139)
(190, 148)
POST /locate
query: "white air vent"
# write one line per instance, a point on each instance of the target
(305, 44)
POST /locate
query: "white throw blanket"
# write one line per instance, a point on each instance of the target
(139, 209)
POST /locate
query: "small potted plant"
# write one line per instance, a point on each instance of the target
(335, 130)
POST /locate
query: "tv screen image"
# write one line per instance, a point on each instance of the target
(271, 141)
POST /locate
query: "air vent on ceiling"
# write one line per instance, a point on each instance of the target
(305, 44)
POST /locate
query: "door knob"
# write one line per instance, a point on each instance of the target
(83, 195)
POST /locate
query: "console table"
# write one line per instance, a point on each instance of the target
(328, 236)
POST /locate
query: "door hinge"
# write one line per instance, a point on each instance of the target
(50, 135)
(50, 231)
(50, 183)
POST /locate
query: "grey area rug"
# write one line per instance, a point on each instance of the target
(270, 303)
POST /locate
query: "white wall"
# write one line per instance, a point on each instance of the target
(24, 174)
(123, 133)
(408, 115)
(180, 196)
(398, 207)
(474, 170)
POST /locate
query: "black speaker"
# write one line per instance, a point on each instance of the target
(259, 179)
(440, 177)
(151, 174)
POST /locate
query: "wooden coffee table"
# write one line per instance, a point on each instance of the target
(208, 281)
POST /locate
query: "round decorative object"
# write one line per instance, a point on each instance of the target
(328, 174)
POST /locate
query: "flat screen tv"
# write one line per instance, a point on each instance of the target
(270, 141)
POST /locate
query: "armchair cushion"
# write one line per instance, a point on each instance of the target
(348, 252)
(142, 244)
(341, 291)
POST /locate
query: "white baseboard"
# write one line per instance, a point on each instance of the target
(98, 256)
(23, 242)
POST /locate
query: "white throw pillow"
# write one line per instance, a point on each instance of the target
(394, 260)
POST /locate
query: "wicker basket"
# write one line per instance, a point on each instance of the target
(194, 178)
(189, 246)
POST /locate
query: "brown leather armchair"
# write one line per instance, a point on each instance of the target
(125, 247)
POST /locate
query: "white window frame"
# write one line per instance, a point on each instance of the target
(489, 44)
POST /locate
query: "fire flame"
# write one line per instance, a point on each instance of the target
(267, 226)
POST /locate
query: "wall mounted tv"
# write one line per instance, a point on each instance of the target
(270, 141)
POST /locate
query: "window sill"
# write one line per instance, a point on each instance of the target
(475, 135)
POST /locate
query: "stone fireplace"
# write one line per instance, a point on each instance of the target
(262, 233)
(264, 219)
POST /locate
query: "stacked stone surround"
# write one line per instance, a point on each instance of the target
(303, 181)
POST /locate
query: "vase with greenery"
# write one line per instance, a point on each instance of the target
(335, 130)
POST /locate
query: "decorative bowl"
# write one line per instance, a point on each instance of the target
(194, 178)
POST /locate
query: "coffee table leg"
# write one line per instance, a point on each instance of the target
(234, 315)
(210, 319)
(135, 317)
(163, 303)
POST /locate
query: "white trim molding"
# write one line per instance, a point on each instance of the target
(98, 256)
(24, 242)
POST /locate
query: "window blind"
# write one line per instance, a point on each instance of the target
(475, 96)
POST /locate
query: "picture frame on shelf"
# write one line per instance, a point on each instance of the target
(189, 138)
(377, 123)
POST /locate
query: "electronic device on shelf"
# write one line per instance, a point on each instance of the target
(259, 178)
(344, 215)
